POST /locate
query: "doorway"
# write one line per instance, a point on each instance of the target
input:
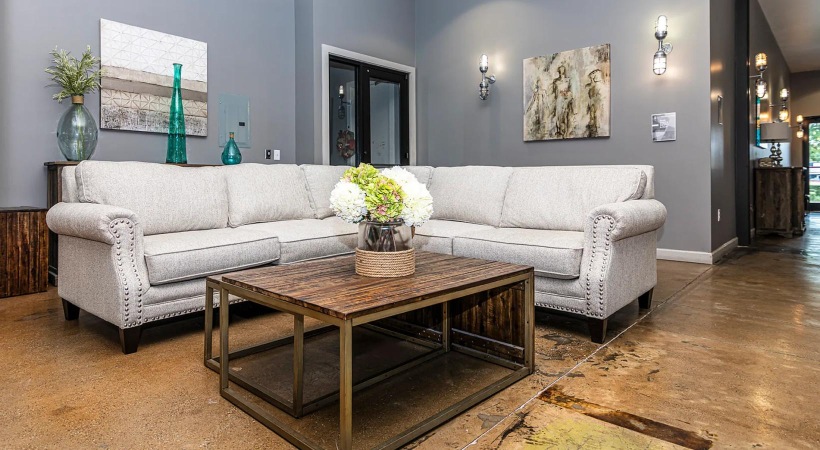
(369, 114)
(811, 156)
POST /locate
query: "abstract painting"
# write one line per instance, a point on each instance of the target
(566, 95)
(138, 76)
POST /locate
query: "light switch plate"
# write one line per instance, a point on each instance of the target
(235, 115)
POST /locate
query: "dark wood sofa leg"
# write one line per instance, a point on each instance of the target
(645, 300)
(130, 339)
(70, 310)
(597, 328)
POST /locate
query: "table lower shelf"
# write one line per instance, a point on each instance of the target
(398, 382)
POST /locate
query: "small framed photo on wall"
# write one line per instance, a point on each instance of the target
(664, 127)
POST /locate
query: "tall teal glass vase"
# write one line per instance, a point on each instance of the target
(231, 155)
(176, 122)
(77, 131)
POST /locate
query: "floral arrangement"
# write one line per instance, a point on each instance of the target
(364, 193)
(74, 76)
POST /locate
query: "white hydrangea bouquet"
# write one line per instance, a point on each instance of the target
(365, 194)
(387, 205)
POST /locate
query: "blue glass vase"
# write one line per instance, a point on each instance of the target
(176, 122)
(77, 131)
(231, 154)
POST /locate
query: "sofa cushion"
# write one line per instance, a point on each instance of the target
(473, 194)
(422, 173)
(310, 238)
(320, 182)
(68, 179)
(437, 235)
(172, 257)
(554, 254)
(560, 198)
(266, 192)
(165, 197)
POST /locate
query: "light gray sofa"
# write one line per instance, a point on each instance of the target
(137, 239)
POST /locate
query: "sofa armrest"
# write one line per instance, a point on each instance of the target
(89, 220)
(630, 218)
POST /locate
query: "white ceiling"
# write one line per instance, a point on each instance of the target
(796, 27)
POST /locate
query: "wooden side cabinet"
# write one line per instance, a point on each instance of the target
(23, 251)
(780, 201)
(54, 193)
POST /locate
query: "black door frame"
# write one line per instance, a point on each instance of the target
(806, 160)
(743, 194)
(364, 73)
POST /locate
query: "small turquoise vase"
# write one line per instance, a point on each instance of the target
(231, 154)
(176, 123)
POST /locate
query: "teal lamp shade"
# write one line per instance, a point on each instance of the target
(231, 154)
(176, 122)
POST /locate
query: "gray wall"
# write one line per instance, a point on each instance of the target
(722, 42)
(456, 127)
(250, 51)
(761, 39)
(805, 99)
(379, 28)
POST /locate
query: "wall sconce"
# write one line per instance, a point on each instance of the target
(486, 81)
(761, 64)
(783, 115)
(799, 120)
(659, 61)
(342, 112)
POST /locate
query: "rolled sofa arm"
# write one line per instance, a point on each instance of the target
(89, 220)
(631, 218)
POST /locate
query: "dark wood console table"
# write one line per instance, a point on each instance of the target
(780, 205)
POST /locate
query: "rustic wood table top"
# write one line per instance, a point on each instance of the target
(332, 287)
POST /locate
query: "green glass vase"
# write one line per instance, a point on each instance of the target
(231, 154)
(176, 122)
(77, 131)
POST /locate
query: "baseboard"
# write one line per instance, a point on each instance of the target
(724, 250)
(684, 256)
(669, 254)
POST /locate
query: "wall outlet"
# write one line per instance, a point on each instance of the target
(276, 155)
(267, 153)
(718, 214)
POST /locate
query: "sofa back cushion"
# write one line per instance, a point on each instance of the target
(68, 180)
(559, 198)
(422, 173)
(165, 197)
(473, 194)
(266, 193)
(320, 183)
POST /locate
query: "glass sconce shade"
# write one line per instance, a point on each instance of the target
(760, 88)
(783, 115)
(661, 27)
(659, 62)
(799, 119)
(483, 64)
(341, 90)
(800, 133)
(761, 62)
(784, 94)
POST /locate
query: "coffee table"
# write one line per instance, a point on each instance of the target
(486, 311)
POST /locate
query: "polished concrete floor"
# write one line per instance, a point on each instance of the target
(727, 358)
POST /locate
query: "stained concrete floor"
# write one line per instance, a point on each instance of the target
(727, 358)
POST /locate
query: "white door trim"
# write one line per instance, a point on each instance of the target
(328, 50)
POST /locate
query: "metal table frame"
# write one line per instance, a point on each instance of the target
(296, 406)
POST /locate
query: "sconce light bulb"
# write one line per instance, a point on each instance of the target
(661, 27)
(341, 90)
(659, 63)
(784, 94)
(760, 88)
(483, 64)
(761, 62)
(799, 119)
(800, 133)
(783, 115)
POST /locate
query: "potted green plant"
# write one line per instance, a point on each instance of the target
(76, 131)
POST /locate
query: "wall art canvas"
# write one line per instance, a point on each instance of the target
(566, 94)
(138, 76)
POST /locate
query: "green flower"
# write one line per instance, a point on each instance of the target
(384, 197)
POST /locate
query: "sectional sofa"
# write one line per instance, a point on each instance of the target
(137, 239)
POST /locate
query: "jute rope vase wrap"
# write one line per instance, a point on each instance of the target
(385, 264)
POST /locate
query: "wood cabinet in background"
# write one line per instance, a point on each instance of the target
(23, 251)
(780, 200)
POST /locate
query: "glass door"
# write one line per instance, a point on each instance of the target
(813, 162)
(369, 114)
